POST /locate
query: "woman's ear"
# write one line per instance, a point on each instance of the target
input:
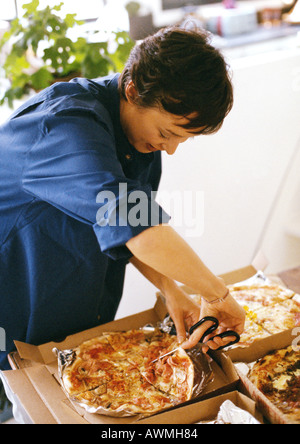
(131, 92)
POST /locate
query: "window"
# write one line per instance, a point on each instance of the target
(87, 9)
(8, 10)
(110, 12)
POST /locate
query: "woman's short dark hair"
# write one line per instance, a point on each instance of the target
(180, 71)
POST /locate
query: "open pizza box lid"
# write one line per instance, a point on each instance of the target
(35, 382)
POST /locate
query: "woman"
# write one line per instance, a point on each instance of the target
(75, 160)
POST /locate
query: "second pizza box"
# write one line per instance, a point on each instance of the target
(36, 383)
(243, 357)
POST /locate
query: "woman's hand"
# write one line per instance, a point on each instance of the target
(185, 313)
(231, 316)
(183, 310)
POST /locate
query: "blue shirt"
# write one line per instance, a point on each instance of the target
(62, 264)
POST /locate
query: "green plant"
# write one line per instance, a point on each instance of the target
(42, 35)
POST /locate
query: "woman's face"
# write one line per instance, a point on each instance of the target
(152, 129)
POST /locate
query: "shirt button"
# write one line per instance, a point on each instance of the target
(128, 157)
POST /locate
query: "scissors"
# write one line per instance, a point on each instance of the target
(209, 331)
(213, 328)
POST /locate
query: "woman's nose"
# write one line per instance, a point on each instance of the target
(170, 147)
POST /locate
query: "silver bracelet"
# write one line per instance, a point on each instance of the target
(215, 301)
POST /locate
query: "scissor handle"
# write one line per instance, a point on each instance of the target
(214, 327)
(210, 330)
(226, 334)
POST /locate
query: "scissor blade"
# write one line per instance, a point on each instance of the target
(166, 354)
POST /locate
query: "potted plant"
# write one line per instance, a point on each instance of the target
(38, 51)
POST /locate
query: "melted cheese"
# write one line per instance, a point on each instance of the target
(282, 382)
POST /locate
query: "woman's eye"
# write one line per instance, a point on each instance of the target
(162, 135)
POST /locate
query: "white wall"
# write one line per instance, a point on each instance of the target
(247, 172)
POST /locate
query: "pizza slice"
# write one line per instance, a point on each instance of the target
(173, 375)
(83, 375)
(130, 343)
(278, 318)
(92, 364)
(252, 333)
(293, 306)
(260, 295)
(140, 347)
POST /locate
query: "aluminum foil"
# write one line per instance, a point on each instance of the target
(229, 413)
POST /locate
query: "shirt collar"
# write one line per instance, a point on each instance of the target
(124, 148)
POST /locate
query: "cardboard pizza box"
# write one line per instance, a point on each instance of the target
(242, 357)
(35, 381)
(207, 410)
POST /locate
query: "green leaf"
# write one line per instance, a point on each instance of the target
(15, 29)
(58, 7)
(11, 94)
(59, 55)
(20, 82)
(41, 79)
(15, 66)
(91, 70)
(32, 6)
(70, 20)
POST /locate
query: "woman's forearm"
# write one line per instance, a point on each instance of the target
(162, 249)
(161, 282)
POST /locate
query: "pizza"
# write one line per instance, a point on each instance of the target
(270, 308)
(256, 296)
(279, 317)
(277, 376)
(115, 373)
(252, 332)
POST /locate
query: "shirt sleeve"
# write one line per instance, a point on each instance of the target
(73, 165)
